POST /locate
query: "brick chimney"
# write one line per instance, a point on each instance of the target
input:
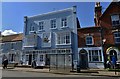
(98, 13)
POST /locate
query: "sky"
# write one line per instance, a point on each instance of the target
(13, 12)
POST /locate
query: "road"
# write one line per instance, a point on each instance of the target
(33, 75)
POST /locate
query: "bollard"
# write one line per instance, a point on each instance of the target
(78, 69)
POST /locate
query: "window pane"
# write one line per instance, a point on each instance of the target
(117, 37)
(63, 38)
(27, 57)
(53, 23)
(41, 57)
(96, 52)
(41, 25)
(95, 55)
(89, 40)
(95, 58)
(90, 55)
(115, 17)
(64, 22)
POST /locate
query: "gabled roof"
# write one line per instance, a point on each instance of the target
(53, 12)
(11, 38)
(111, 5)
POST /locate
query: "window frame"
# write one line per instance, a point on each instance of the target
(27, 57)
(40, 26)
(91, 54)
(116, 37)
(62, 38)
(117, 15)
(41, 58)
(64, 24)
(31, 28)
(12, 57)
(86, 40)
(54, 23)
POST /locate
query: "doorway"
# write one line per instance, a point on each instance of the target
(47, 61)
(83, 59)
(30, 59)
(111, 53)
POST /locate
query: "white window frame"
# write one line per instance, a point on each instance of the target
(62, 35)
(26, 57)
(41, 58)
(12, 45)
(63, 22)
(35, 56)
(2, 46)
(54, 24)
(12, 57)
(116, 37)
(31, 28)
(41, 28)
(92, 40)
(115, 17)
(90, 55)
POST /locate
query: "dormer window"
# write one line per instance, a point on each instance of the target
(115, 20)
(64, 22)
(89, 40)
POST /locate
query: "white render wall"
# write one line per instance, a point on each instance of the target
(99, 64)
(96, 65)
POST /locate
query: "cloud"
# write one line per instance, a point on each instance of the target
(8, 32)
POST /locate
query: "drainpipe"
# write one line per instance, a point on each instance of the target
(102, 45)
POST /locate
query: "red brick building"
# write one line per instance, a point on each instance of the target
(98, 43)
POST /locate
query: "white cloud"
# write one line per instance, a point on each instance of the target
(8, 32)
(20, 32)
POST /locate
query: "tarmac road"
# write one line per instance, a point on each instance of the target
(32, 75)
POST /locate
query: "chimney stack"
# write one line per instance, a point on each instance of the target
(98, 13)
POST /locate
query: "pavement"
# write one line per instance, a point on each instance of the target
(90, 72)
